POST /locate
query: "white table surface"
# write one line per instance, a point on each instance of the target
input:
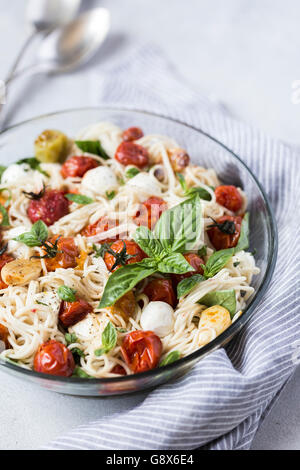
(244, 53)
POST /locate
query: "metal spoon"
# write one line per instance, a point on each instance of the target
(70, 46)
(43, 16)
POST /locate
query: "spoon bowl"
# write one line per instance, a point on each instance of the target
(45, 15)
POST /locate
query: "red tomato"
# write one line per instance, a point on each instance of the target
(195, 261)
(66, 257)
(150, 212)
(4, 336)
(49, 208)
(141, 350)
(78, 166)
(161, 290)
(55, 359)
(118, 370)
(132, 133)
(129, 252)
(73, 312)
(102, 225)
(221, 240)
(129, 153)
(4, 259)
(229, 197)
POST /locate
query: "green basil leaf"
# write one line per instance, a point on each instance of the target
(182, 183)
(179, 228)
(132, 172)
(217, 261)
(77, 352)
(202, 251)
(28, 239)
(123, 280)
(40, 231)
(70, 338)
(174, 263)
(66, 293)
(109, 339)
(92, 146)
(79, 372)
(147, 241)
(110, 195)
(225, 298)
(79, 198)
(171, 357)
(41, 303)
(186, 285)
(5, 218)
(243, 242)
(34, 164)
(202, 193)
(2, 170)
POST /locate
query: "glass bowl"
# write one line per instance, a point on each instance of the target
(17, 142)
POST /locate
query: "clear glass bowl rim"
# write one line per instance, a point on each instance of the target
(227, 334)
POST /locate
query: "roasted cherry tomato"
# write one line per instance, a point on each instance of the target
(195, 261)
(132, 133)
(118, 370)
(129, 153)
(73, 312)
(125, 306)
(229, 197)
(49, 208)
(4, 259)
(66, 255)
(150, 211)
(78, 166)
(126, 252)
(221, 239)
(141, 350)
(179, 159)
(102, 225)
(4, 336)
(54, 358)
(161, 290)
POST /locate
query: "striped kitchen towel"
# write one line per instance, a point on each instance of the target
(220, 403)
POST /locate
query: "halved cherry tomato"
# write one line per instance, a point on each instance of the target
(229, 197)
(66, 256)
(221, 240)
(117, 369)
(129, 252)
(78, 166)
(161, 290)
(125, 306)
(150, 211)
(54, 358)
(129, 153)
(195, 261)
(132, 133)
(102, 225)
(49, 208)
(4, 336)
(141, 350)
(4, 259)
(73, 312)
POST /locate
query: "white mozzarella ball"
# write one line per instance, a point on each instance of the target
(99, 180)
(88, 328)
(17, 248)
(145, 183)
(50, 299)
(158, 317)
(16, 174)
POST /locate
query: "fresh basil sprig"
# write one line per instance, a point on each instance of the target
(109, 340)
(189, 192)
(216, 262)
(177, 228)
(5, 218)
(243, 242)
(92, 146)
(224, 298)
(171, 357)
(79, 198)
(34, 164)
(66, 293)
(37, 235)
(186, 285)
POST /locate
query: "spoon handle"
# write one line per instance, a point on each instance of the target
(16, 62)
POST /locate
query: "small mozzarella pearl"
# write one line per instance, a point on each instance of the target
(158, 317)
(146, 183)
(99, 180)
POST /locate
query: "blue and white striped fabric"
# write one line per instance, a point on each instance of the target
(221, 402)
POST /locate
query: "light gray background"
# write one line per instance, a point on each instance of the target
(245, 54)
